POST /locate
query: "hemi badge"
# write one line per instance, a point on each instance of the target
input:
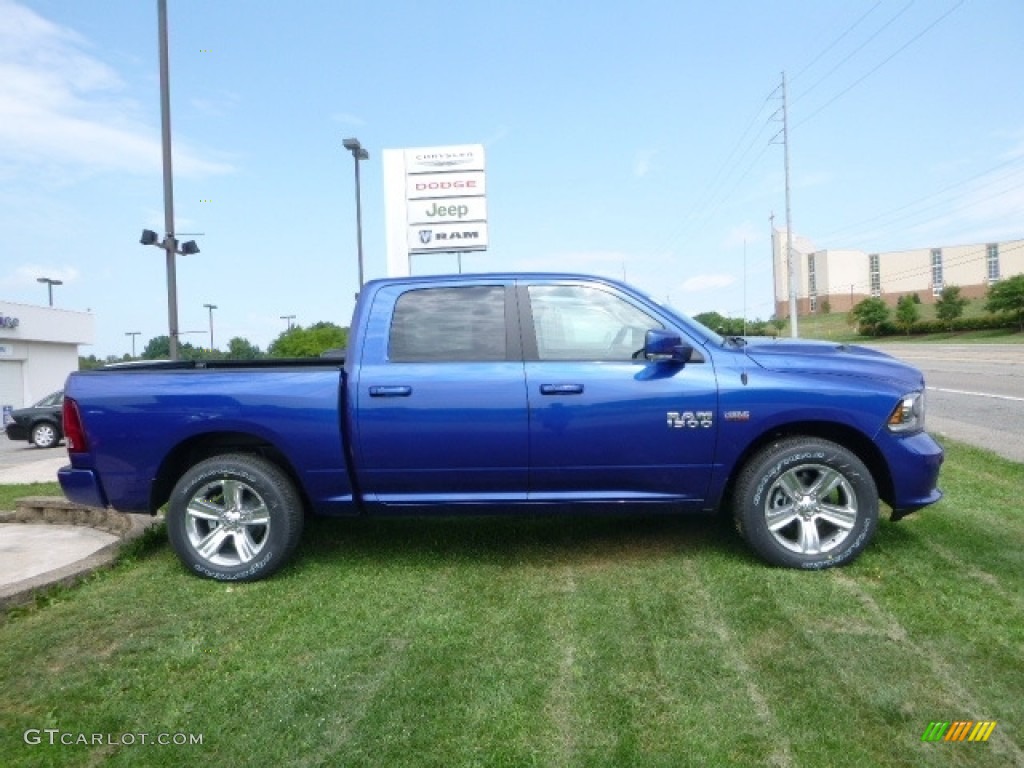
(736, 415)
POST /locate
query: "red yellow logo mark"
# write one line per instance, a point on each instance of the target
(958, 730)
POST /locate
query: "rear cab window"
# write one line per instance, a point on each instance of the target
(456, 324)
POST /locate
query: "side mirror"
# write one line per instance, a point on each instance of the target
(661, 345)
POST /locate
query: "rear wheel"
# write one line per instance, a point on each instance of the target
(234, 518)
(806, 503)
(44, 435)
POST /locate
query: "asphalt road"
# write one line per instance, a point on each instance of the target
(16, 452)
(975, 395)
(975, 392)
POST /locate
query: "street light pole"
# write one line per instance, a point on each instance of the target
(133, 334)
(169, 243)
(50, 282)
(288, 319)
(358, 153)
(211, 307)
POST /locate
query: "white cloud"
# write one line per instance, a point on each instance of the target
(59, 105)
(499, 134)
(745, 234)
(642, 162)
(27, 274)
(346, 118)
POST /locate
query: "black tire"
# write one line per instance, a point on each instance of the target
(245, 537)
(45, 435)
(806, 503)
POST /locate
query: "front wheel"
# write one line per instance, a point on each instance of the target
(806, 503)
(234, 518)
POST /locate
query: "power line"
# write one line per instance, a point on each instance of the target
(885, 61)
(716, 192)
(955, 185)
(835, 42)
(856, 50)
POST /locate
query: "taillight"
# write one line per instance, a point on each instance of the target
(74, 434)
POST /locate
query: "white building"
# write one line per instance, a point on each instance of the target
(38, 349)
(843, 277)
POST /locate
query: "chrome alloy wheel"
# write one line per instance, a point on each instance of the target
(227, 522)
(810, 509)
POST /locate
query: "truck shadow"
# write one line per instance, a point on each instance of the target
(535, 540)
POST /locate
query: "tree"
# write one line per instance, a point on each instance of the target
(1008, 296)
(950, 305)
(826, 307)
(243, 349)
(712, 320)
(308, 342)
(159, 348)
(907, 313)
(870, 314)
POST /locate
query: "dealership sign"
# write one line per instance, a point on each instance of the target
(448, 237)
(434, 159)
(447, 209)
(435, 201)
(456, 184)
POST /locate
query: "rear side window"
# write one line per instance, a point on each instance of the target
(56, 398)
(449, 325)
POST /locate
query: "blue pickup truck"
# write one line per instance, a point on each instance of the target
(508, 392)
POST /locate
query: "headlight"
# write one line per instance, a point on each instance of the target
(908, 415)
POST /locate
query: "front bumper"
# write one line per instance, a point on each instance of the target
(16, 431)
(915, 461)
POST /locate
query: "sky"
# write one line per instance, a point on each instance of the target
(640, 140)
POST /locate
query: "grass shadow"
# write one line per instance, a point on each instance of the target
(532, 539)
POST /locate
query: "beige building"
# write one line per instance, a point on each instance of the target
(844, 277)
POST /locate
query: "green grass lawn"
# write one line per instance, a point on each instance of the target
(646, 641)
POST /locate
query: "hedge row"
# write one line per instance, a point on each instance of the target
(980, 323)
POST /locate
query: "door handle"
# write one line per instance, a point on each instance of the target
(396, 391)
(561, 389)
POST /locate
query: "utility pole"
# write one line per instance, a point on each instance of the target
(170, 243)
(133, 334)
(793, 282)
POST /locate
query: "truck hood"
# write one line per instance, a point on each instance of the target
(800, 356)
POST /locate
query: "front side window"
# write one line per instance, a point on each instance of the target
(464, 324)
(583, 323)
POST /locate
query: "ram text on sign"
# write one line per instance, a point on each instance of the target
(456, 236)
(461, 184)
(434, 210)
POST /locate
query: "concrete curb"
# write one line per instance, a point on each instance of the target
(56, 510)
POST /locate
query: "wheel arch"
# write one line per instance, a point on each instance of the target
(841, 434)
(198, 448)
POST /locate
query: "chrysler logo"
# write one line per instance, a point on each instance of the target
(425, 235)
(445, 159)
